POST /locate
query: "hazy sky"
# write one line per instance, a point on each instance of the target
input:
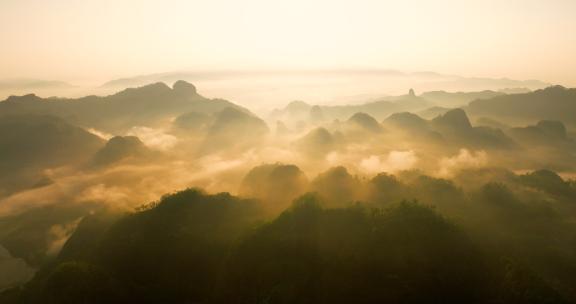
(98, 40)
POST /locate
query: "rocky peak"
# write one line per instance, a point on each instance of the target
(184, 88)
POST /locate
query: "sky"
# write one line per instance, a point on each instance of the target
(91, 40)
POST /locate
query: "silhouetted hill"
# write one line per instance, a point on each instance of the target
(407, 121)
(119, 148)
(175, 248)
(84, 242)
(413, 126)
(545, 131)
(550, 182)
(378, 109)
(39, 86)
(142, 106)
(451, 128)
(350, 256)
(505, 245)
(233, 129)
(433, 112)
(297, 107)
(365, 122)
(548, 138)
(31, 143)
(455, 126)
(453, 120)
(337, 186)
(192, 122)
(295, 112)
(317, 142)
(184, 88)
(278, 184)
(36, 234)
(552, 103)
(554, 129)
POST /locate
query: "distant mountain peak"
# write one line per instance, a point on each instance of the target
(407, 121)
(24, 98)
(404, 117)
(554, 88)
(118, 148)
(455, 118)
(551, 103)
(298, 105)
(365, 121)
(155, 88)
(155, 85)
(553, 128)
(183, 87)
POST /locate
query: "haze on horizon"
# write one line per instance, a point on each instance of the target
(97, 41)
(287, 152)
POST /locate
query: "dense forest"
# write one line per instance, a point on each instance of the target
(411, 238)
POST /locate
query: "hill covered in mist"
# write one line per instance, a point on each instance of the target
(361, 202)
(552, 103)
(146, 105)
(191, 246)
